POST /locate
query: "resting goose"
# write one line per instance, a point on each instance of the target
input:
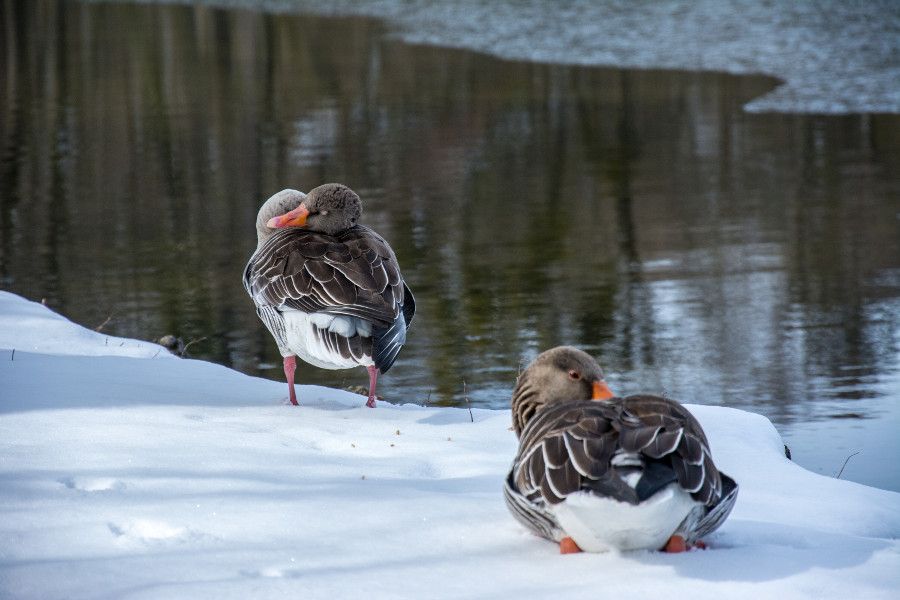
(328, 289)
(595, 472)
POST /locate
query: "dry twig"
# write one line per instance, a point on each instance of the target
(188, 345)
(103, 324)
(846, 460)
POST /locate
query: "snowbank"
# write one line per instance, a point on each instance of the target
(128, 474)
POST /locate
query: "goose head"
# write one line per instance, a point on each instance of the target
(561, 374)
(279, 204)
(330, 208)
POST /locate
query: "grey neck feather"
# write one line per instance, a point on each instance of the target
(546, 381)
(282, 202)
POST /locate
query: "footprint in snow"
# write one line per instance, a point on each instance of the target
(150, 531)
(93, 484)
(273, 573)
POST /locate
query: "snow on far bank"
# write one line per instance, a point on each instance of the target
(835, 57)
(142, 477)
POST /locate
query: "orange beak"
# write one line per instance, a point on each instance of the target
(294, 218)
(601, 391)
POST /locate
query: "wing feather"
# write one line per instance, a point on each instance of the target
(579, 446)
(354, 273)
(345, 274)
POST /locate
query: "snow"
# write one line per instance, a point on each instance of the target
(32, 327)
(834, 57)
(129, 474)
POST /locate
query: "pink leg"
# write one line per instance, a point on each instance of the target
(373, 379)
(290, 363)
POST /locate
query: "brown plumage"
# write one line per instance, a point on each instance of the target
(328, 289)
(352, 273)
(624, 449)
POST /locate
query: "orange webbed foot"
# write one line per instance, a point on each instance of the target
(675, 544)
(568, 546)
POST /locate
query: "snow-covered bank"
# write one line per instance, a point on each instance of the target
(140, 476)
(835, 57)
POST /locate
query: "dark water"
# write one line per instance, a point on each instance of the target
(721, 257)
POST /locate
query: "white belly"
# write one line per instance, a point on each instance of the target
(601, 524)
(304, 341)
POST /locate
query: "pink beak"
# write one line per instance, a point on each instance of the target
(294, 218)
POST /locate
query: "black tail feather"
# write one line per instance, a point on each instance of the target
(656, 476)
(409, 305)
(387, 341)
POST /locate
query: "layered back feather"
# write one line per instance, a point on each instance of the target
(596, 445)
(626, 449)
(353, 273)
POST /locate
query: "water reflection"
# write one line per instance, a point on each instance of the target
(721, 257)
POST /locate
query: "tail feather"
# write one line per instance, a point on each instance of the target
(655, 476)
(409, 305)
(387, 341)
(718, 513)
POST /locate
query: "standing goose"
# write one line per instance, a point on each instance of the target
(328, 289)
(595, 472)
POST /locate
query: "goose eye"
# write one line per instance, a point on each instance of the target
(573, 374)
(323, 212)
